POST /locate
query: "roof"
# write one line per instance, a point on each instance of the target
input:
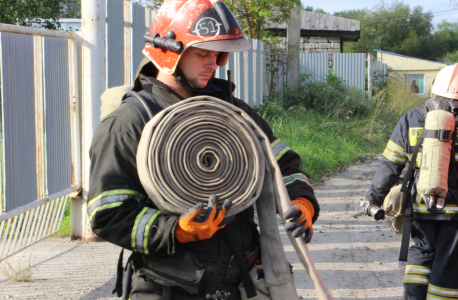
(316, 24)
(437, 62)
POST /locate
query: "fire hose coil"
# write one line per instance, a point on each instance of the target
(199, 149)
(202, 146)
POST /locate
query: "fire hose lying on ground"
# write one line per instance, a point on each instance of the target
(202, 146)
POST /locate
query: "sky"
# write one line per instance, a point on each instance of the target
(332, 6)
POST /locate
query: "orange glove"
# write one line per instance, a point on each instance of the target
(301, 213)
(192, 228)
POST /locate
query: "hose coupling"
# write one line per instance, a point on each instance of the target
(373, 210)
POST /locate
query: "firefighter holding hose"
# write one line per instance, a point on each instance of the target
(195, 255)
(426, 201)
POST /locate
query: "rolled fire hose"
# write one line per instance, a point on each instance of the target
(202, 146)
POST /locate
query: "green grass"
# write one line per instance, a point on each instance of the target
(64, 230)
(326, 145)
(349, 127)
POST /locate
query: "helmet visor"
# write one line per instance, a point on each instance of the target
(229, 45)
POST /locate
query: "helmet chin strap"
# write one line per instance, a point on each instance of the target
(180, 78)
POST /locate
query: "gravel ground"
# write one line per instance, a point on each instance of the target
(356, 257)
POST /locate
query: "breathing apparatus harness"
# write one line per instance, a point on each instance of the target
(434, 203)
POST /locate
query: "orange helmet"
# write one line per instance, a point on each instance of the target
(446, 82)
(179, 24)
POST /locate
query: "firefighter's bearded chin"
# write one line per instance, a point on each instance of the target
(199, 80)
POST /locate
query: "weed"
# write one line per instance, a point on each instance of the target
(18, 274)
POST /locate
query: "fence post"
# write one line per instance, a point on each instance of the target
(93, 85)
(294, 36)
(369, 76)
(127, 42)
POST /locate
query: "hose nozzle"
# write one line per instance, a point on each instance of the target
(373, 210)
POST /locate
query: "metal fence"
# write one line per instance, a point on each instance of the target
(350, 67)
(378, 71)
(127, 23)
(315, 65)
(40, 133)
(248, 73)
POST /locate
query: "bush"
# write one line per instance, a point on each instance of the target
(330, 126)
(326, 97)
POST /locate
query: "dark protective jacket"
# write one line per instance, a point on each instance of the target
(398, 151)
(118, 206)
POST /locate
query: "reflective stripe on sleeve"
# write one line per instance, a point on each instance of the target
(416, 279)
(436, 291)
(396, 148)
(140, 232)
(430, 296)
(417, 274)
(393, 157)
(298, 176)
(111, 199)
(279, 148)
(415, 269)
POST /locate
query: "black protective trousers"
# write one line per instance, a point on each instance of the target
(432, 267)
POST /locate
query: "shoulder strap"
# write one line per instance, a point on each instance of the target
(408, 180)
(143, 103)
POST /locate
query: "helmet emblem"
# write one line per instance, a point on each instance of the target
(207, 28)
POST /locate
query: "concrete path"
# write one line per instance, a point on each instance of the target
(356, 257)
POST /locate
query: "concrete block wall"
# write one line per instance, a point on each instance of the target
(318, 44)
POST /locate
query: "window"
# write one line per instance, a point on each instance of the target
(416, 83)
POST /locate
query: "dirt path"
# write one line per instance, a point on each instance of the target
(356, 257)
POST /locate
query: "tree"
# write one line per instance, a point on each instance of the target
(27, 12)
(395, 28)
(317, 10)
(70, 8)
(254, 16)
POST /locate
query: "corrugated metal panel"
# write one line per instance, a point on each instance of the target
(18, 116)
(316, 65)
(138, 31)
(351, 68)
(57, 115)
(378, 71)
(396, 62)
(115, 43)
(221, 72)
(257, 73)
(239, 76)
(278, 70)
(248, 73)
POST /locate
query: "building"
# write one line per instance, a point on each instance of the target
(418, 74)
(322, 33)
(70, 24)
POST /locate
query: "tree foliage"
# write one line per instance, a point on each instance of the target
(254, 16)
(70, 8)
(317, 10)
(400, 29)
(27, 12)
(392, 27)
